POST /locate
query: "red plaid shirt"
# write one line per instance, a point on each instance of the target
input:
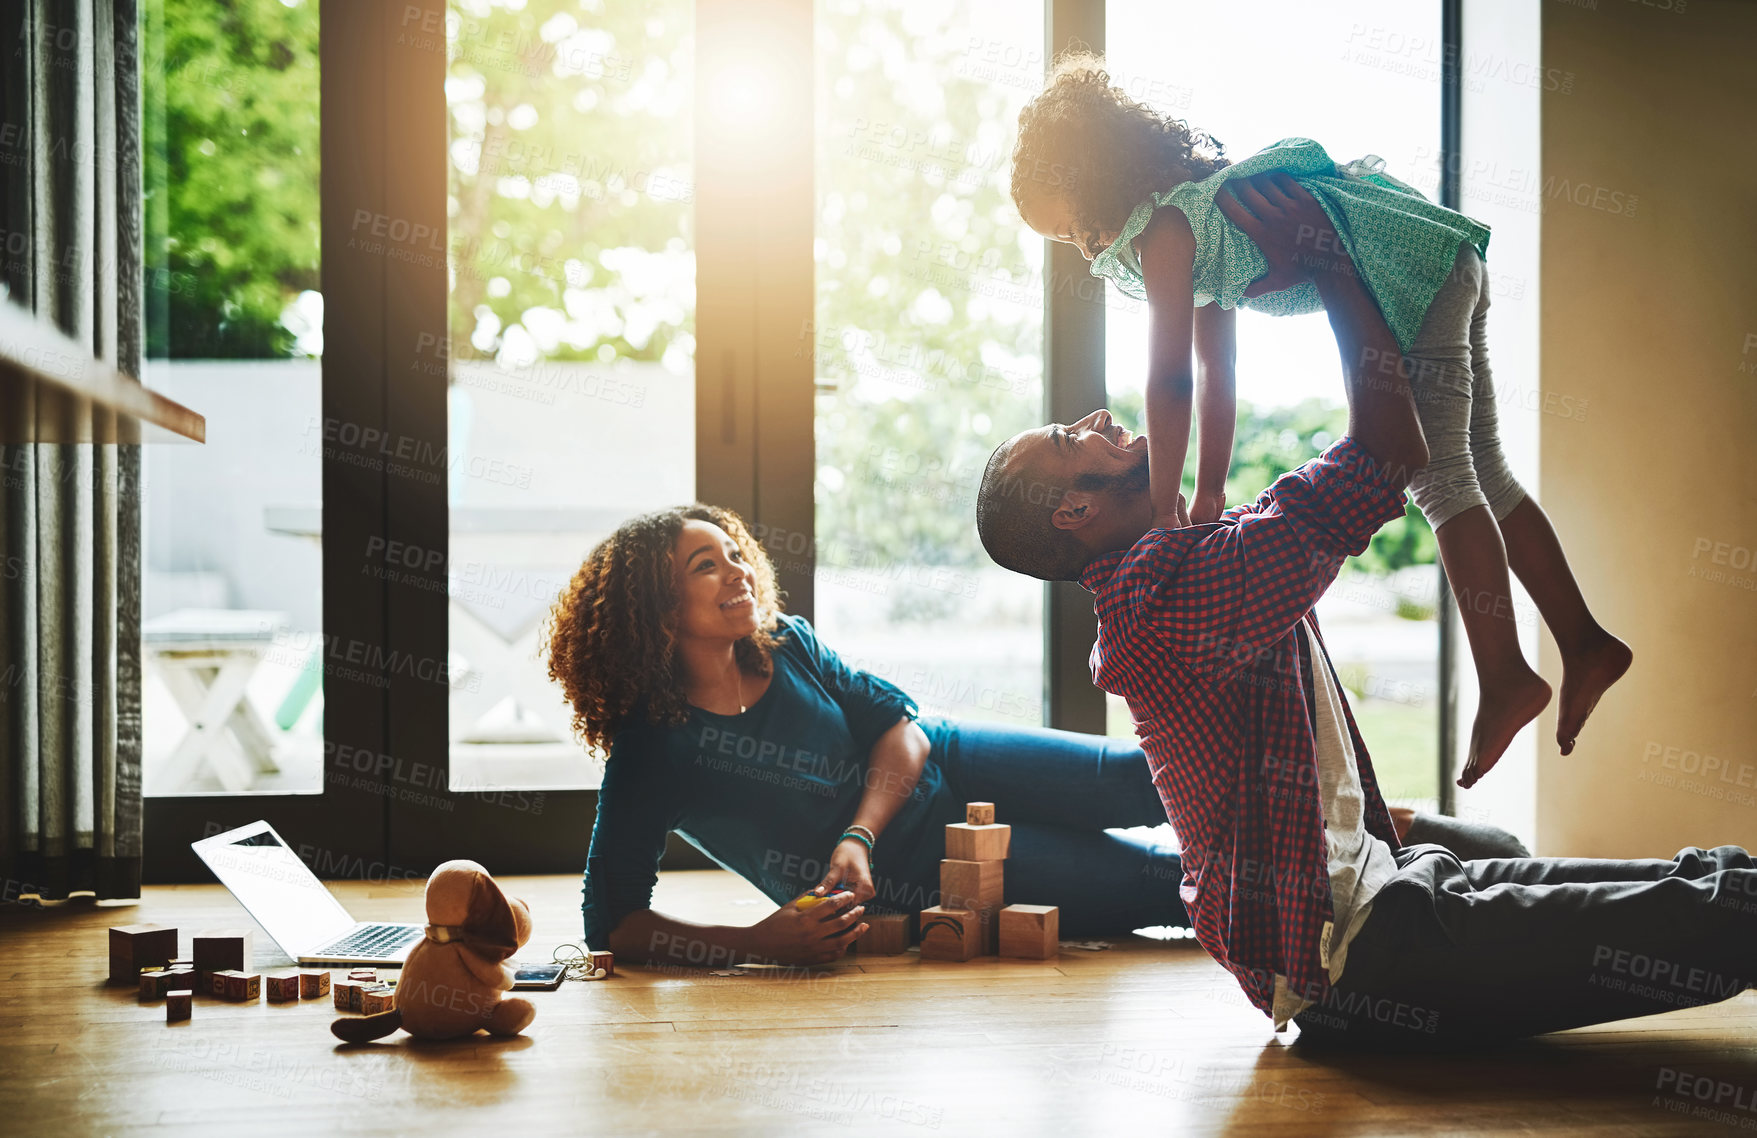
(1198, 630)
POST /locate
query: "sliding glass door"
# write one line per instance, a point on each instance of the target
(926, 337)
(571, 394)
(233, 645)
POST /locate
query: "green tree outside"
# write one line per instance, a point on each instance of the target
(230, 98)
(1270, 441)
(571, 196)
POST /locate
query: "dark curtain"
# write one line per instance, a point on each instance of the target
(70, 206)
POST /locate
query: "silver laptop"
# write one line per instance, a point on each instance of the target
(293, 906)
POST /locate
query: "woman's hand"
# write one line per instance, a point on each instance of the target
(850, 865)
(816, 935)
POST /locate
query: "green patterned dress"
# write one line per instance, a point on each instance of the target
(1403, 244)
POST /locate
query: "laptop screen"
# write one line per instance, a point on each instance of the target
(278, 889)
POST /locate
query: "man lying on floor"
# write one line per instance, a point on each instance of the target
(1293, 874)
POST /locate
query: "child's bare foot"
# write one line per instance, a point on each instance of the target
(1585, 676)
(1503, 709)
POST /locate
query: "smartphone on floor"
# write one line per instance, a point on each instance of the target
(543, 976)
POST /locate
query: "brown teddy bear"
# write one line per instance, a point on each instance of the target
(452, 982)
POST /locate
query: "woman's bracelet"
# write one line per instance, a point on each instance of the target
(863, 838)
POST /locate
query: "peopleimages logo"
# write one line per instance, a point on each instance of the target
(1706, 1089)
(1665, 979)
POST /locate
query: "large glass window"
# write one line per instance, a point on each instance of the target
(231, 694)
(927, 341)
(571, 356)
(1363, 82)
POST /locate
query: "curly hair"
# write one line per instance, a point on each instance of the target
(612, 633)
(1100, 150)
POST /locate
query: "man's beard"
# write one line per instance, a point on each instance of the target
(1134, 480)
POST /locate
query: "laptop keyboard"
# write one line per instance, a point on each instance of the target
(372, 940)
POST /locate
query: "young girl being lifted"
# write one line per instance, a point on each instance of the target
(1134, 192)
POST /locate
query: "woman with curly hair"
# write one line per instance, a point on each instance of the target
(1135, 192)
(728, 721)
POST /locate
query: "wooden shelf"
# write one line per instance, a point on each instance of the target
(53, 391)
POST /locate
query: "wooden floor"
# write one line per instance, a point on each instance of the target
(1145, 1037)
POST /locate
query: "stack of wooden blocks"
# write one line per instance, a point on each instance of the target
(146, 956)
(972, 918)
(363, 991)
(157, 983)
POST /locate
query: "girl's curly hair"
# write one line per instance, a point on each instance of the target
(612, 633)
(1099, 150)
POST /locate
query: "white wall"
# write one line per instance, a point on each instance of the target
(1649, 314)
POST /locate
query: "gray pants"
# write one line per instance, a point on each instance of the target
(1466, 840)
(1455, 400)
(1465, 953)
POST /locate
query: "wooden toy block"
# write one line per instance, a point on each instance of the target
(370, 975)
(378, 998)
(239, 986)
(1030, 931)
(178, 1006)
(887, 934)
(133, 947)
(183, 962)
(313, 984)
(222, 950)
(157, 983)
(347, 994)
(282, 986)
(154, 985)
(212, 983)
(604, 960)
(979, 813)
(975, 885)
(965, 842)
(971, 884)
(949, 934)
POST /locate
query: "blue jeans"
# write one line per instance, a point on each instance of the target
(1060, 791)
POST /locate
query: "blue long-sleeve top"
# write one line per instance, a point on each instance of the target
(767, 794)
